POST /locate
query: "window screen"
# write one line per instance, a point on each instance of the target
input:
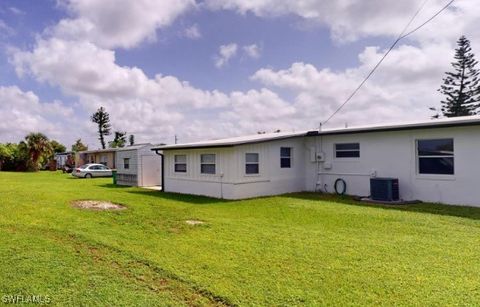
(207, 164)
(252, 163)
(180, 163)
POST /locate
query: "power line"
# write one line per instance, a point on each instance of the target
(429, 19)
(400, 37)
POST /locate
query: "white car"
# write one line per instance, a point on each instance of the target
(92, 170)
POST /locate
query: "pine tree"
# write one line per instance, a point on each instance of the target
(119, 140)
(461, 86)
(131, 139)
(102, 119)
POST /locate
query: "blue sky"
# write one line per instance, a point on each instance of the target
(157, 81)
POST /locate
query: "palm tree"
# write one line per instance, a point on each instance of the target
(38, 147)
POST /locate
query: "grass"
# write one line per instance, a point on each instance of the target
(296, 249)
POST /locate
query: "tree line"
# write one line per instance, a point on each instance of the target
(36, 149)
(33, 152)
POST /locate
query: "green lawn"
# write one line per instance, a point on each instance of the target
(297, 249)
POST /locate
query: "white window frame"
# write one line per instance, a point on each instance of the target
(208, 163)
(175, 163)
(418, 157)
(252, 163)
(126, 163)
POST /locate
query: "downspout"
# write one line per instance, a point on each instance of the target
(163, 168)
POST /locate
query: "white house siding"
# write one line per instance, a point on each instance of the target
(128, 176)
(230, 180)
(193, 182)
(134, 175)
(393, 154)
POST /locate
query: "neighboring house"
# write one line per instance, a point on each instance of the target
(435, 161)
(101, 156)
(138, 165)
(64, 158)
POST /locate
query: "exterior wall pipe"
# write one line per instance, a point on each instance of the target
(163, 168)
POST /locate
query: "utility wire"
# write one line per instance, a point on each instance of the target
(400, 37)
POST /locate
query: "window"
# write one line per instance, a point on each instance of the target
(435, 156)
(251, 163)
(126, 163)
(207, 164)
(347, 150)
(103, 159)
(180, 163)
(285, 157)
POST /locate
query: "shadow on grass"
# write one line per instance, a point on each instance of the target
(439, 209)
(114, 186)
(186, 198)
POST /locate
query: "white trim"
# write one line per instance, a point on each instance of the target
(253, 163)
(175, 164)
(208, 163)
(425, 176)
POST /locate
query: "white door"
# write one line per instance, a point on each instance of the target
(151, 171)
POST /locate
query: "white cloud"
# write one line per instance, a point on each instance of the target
(253, 51)
(117, 23)
(22, 112)
(402, 89)
(225, 53)
(137, 103)
(347, 20)
(77, 56)
(193, 32)
(81, 68)
(16, 10)
(5, 30)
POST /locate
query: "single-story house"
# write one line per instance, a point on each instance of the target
(101, 156)
(138, 165)
(434, 161)
(64, 158)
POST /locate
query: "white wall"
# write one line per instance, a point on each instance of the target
(230, 180)
(132, 171)
(138, 156)
(393, 154)
(385, 154)
(150, 170)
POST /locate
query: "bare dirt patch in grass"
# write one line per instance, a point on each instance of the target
(99, 205)
(194, 222)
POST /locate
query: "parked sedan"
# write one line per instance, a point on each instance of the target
(92, 170)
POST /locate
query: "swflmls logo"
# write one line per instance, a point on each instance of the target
(26, 299)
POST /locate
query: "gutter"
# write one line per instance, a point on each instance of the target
(163, 167)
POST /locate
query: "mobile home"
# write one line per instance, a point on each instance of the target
(101, 156)
(433, 161)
